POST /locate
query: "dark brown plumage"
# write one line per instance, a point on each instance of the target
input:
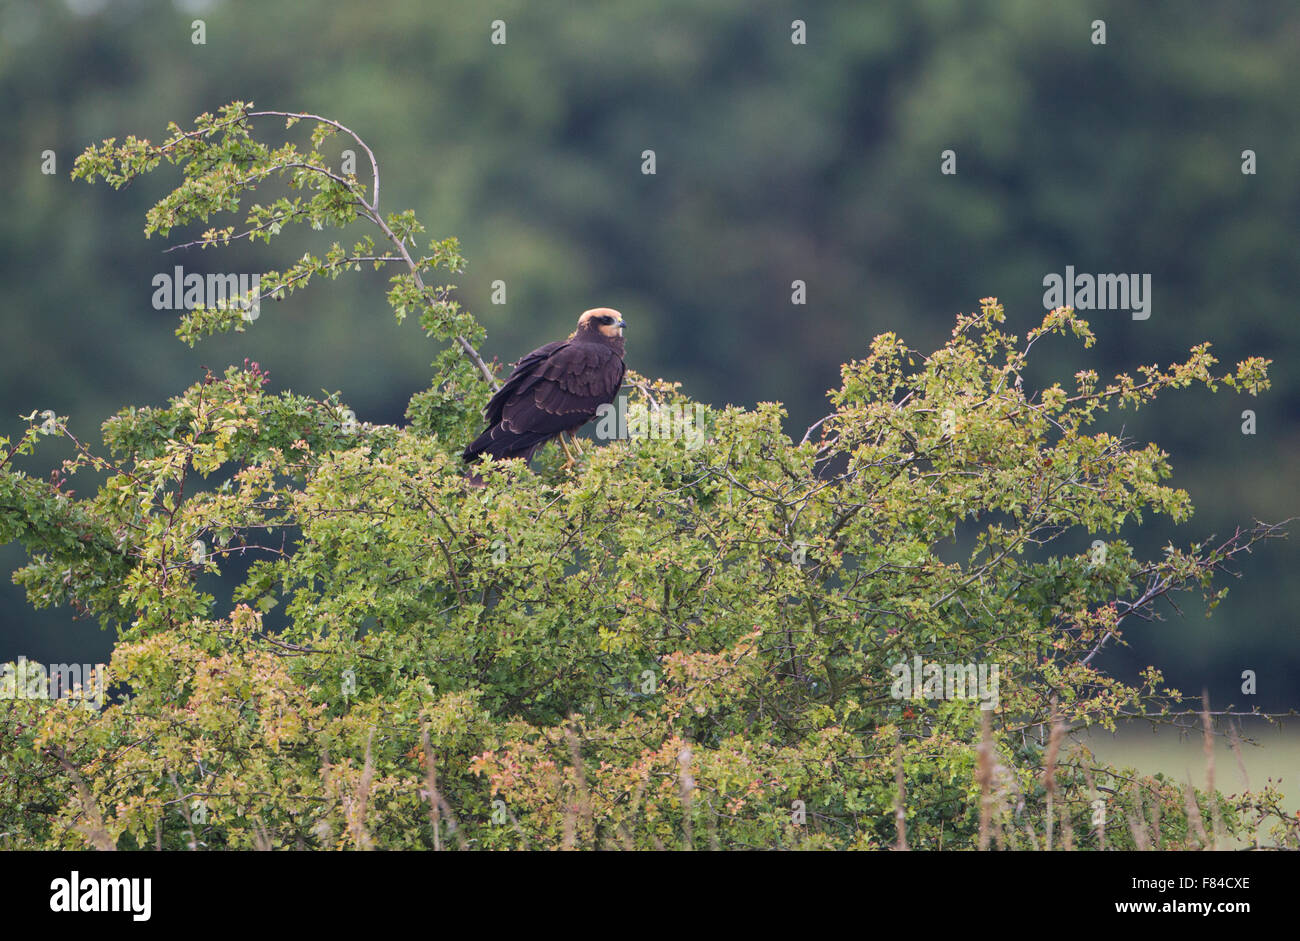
(555, 389)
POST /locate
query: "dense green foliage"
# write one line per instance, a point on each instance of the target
(775, 162)
(669, 645)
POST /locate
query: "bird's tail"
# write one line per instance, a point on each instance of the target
(502, 444)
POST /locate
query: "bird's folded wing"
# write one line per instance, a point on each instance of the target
(565, 389)
(526, 372)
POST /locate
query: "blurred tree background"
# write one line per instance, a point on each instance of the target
(775, 161)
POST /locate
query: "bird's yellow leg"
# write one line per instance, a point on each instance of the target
(568, 455)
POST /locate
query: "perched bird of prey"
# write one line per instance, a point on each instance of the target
(555, 390)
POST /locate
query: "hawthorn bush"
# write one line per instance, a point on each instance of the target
(669, 646)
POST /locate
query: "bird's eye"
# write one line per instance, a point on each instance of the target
(606, 319)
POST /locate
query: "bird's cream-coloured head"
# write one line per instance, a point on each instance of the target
(604, 320)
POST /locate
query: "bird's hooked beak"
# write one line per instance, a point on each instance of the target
(620, 326)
